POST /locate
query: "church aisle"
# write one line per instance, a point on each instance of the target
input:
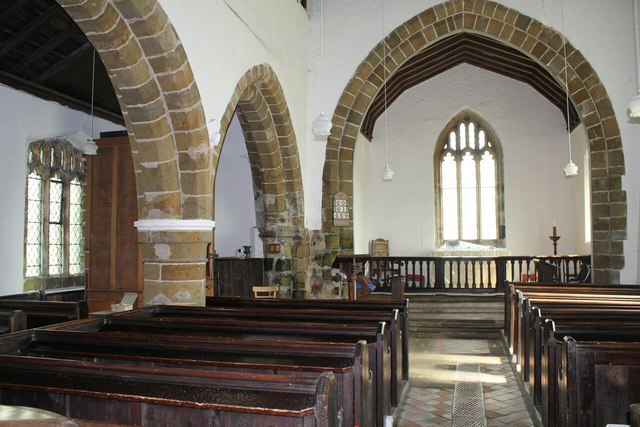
(436, 365)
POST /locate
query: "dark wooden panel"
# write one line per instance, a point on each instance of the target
(237, 276)
(112, 240)
(127, 213)
(100, 172)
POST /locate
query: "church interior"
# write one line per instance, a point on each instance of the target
(216, 214)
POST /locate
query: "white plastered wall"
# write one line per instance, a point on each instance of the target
(223, 39)
(533, 139)
(235, 207)
(25, 118)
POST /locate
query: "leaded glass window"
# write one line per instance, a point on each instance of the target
(468, 174)
(54, 214)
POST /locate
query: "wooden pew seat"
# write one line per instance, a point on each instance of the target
(138, 395)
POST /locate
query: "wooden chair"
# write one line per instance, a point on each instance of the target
(262, 292)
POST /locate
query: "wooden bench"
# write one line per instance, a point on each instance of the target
(70, 293)
(590, 330)
(345, 305)
(543, 319)
(525, 326)
(264, 313)
(598, 382)
(537, 350)
(152, 396)
(43, 313)
(511, 298)
(12, 321)
(376, 336)
(517, 293)
(348, 362)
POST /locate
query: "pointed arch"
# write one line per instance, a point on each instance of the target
(467, 132)
(160, 103)
(271, 144)
(275, 169)
(542, 44)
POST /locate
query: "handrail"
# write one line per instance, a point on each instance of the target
(467, 273)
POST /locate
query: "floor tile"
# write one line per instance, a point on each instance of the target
(433, 361)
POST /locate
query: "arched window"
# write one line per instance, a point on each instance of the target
(54, 237)
(468, 177)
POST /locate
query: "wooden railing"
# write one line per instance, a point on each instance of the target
(467, 274)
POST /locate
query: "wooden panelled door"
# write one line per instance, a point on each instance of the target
(113, 256)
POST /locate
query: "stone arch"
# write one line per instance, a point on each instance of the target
(541, 43)
(160, 103)
(275, 166)
(163, 113)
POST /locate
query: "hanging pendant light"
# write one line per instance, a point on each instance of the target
(387, 172)
(90, 148)
(634, 105)
(570, 168)
(322, 124)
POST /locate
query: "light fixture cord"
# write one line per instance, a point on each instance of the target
(384, 82)
(566, 80)
(636, 42)
(321, 60)
(93, 87)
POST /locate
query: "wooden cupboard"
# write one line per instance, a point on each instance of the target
(113, 255)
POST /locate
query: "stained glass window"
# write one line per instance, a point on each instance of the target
(468, 188)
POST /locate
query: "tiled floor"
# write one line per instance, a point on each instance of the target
(433, 361)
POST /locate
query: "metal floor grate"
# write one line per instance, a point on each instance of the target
(468, 400)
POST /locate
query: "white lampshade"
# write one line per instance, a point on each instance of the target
(634, 106)
(90, 148)
(387, 174)
(570, 169)
(322, 125)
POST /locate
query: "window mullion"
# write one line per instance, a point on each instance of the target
(46, 185)
(478, 158)
(459, 191)
(66, 200)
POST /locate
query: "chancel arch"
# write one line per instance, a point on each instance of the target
(544, 47)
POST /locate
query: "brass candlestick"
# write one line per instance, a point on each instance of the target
(555, 239)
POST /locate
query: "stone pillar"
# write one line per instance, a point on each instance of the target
(174, 257)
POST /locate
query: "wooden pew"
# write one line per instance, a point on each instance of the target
(598, 382)
(583, 330)
(267, 313)
(588, 314)
(587, 303)
(71, 293)
(43, 313)
(522, 299)
(538, 337)
(139, 395)
(511, 298)
(348, 362)
(29, 295)
(12, 321)
(376, 336)
(346, 305)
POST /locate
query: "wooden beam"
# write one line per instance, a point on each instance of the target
(26, 31)
(52, 95)
(63, 63)
(41, 51)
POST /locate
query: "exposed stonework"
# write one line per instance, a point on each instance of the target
(174, 266)
(542, 43)
(161, 106)
(159, 100)
(275, 168)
